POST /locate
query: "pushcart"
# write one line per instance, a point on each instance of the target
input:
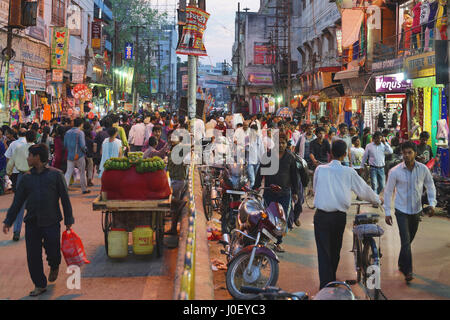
(128, 214)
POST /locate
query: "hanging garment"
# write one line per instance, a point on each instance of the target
(419, 107)
(416, 28)
(442, 129)
(380, 121)
(394, 120)
(427, 110)
(444, 107)
(444, 155)
(351, 26)
(432, 16)
(441, 19)
(435, 115)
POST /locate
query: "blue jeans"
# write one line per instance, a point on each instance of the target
(407, 226)
(252, 169)
(377, 179)
(19, 219)
(284, 200)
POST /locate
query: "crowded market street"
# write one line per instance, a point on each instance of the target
(153, 279)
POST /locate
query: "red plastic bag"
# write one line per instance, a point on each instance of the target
(73, 249)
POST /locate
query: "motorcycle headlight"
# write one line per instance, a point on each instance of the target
(280, 227)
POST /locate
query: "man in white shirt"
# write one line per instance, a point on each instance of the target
(408, 179)
(333, 185)
(149, 128)
(375, 152)
(209, 127)
(137, 135)
(10, 151)
(241, 140)
(254, 153)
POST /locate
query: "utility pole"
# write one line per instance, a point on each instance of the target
(289, 84)
(149, 70)
(159, 72)
(8, 57)
(238, 79)
(136, 63)
(116, 49)
(192, 82)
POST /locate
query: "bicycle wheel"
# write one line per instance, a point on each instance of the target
(309, 195)
(370, 258)
(357, 252)
(207, 205)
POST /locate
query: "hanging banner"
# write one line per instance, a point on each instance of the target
(57, 75)
(155, 86)
(191, 42)
(285, 112)
(74, 19)
(128, 51)
(60, 47)
(77, 77)
(96, 34)
(35, 78)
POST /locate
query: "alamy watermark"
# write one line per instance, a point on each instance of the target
(374, 278)
(236, 147)
(74, 280)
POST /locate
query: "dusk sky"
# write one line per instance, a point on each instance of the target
(219, 34)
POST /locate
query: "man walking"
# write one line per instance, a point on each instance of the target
(75, 144)
(375, 152)
(319, 149)
(408, 179)
(42, 222)
(333, 185)
(136, 136)
(343, 135)
(19, 162)
(286, 177)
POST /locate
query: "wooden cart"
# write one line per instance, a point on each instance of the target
(128, 214)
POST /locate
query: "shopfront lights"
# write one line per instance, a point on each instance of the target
(399, 76)
(280, 99)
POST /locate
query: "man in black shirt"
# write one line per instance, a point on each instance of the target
(286, 177)
(41, 188)
(320, 148)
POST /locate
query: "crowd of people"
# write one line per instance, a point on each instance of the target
(343, 159)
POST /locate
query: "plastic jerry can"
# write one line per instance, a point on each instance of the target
(142, 240)
(117, 243)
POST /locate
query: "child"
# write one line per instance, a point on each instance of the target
(357, 155)
(424, 151)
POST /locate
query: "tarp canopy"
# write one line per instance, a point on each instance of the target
(351, 26)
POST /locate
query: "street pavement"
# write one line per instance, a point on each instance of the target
(133, 278)
(299, 271)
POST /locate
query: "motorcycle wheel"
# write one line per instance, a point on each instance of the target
(207, 205)
(235, 274)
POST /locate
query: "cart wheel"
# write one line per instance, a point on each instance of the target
(159, 235)
(106, 228)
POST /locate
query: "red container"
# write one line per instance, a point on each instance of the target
(130, 185)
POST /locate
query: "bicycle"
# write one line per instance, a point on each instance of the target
(367, 255)
(309, 190)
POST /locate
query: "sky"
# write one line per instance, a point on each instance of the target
(219, 33)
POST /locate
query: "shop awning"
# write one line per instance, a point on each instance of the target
(334, 91)
(347, 74)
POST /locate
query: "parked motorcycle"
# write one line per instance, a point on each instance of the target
(250, 260)
(233, 180)
(442, 192)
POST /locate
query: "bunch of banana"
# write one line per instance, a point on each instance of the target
(117, 164)
(134, 157)
(150, 165)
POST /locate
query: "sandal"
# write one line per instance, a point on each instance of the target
(37, 291)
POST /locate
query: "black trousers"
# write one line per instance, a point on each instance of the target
(328, 230)
(407, 226)
(35, 238)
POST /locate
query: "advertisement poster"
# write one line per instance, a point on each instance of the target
(262, 53)
(60, 47)
(57, 75)
(260, 78)
(128, 51)
(96, 34)
(155, 85)
(191, 42)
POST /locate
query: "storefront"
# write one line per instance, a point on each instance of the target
(428, 105)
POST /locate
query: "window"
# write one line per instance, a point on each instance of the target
(58, 12)
(304, 4)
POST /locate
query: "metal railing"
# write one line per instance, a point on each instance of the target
(405, 44)
(188, 275)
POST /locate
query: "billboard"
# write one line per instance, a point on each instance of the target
(191, 42)
(60, 47)
(262, 53)
(262, 78)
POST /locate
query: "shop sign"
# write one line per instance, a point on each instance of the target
(4, 11)
(184, 82)
(155, 85)
(96, 34)
(128, 51)
(387, 64)
(57, 75)
(77, 77)
(29, 52)
(60, 47)
(15, 70)
(386, 84)
(422, 65)
(260, 78)
(262, 53)
(285, 112)
(35, 79)
(191, 42)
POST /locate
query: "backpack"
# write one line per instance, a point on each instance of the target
(302, 168)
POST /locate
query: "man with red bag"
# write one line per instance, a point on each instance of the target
(42, 222)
